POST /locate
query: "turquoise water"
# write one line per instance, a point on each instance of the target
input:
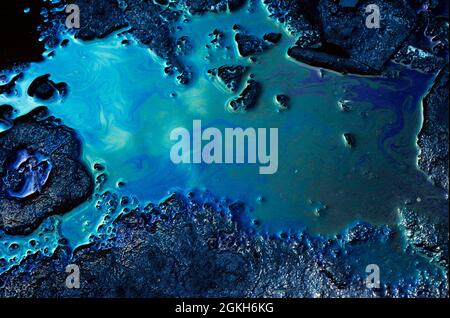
(123, 107)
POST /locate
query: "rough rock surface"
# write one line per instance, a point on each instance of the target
(250, 45)
(183, 249)
(433, 138)
(299, 18)
(425, 48)
(230, 75)
(150, 22)
(282, 101)
(427, 235)
(99, 18)
(203, 6)
(348, 46)
(45, 89)
(9, 88)
(247, 98)
(6, 115)
(330, 34)
(41, 172)
(151, 25)
(272, 37)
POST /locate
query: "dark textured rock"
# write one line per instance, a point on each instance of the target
(183, 45)
(371, 47)
(247, 98)
(420, 53)
(433, 138)
(317, 58)
(364, 232)
(272, 37)
(64, 43)
(419, 59)
(41, 172)
(149, 22)
(346, 44)
(10, 87)
(345, 105)
(438, 30)
(249, 44)
(330, 34)
(428, 235)
(99, 167)
(282, 100)
(217, 38)
(184, 249)
(349, 139)
(153, 30)
(230, 75)
(216, 6)
(45, 89)
(299, 18)
(98, 18)
(6, 115)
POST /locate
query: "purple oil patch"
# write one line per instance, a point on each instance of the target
(401, 97)
(31, 172)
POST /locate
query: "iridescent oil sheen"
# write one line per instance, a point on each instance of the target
(124, 108)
